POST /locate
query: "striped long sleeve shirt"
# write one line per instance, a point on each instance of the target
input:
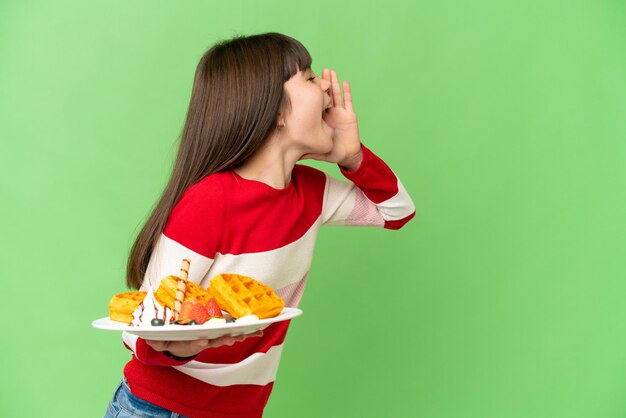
(228, 224)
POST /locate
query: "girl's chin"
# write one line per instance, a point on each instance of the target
(322, 145)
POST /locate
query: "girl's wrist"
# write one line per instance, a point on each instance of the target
(353, 162)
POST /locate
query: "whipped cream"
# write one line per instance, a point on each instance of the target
(149, 309)
(216, 321)
(248, 319)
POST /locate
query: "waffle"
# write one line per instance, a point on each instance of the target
(240, 296)
(122, 305)
(166, 293)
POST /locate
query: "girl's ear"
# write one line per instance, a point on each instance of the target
(280, 121)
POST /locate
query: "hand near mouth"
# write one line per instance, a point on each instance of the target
(340, 116)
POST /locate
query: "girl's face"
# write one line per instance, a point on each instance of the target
(304, 124)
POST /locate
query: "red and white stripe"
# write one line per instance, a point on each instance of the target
(227, 224)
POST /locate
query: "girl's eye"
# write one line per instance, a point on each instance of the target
(311, 78)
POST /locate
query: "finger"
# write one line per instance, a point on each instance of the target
(200, 344)
(326, 76)
(229, 340)
(242, 337)
(335, 89)
(225, 340)
(347, 96)
(157, 345)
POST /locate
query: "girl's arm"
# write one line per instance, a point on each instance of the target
(374, 197)
(192, 231)
(175, 353)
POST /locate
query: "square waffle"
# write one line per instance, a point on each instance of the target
(240, 296)
(122, 305)
(166, 293)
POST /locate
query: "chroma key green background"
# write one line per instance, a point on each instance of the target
(505, 120)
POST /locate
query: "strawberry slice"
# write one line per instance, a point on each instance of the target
(213, 309)
(192, 310)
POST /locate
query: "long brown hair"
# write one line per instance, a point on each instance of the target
(237, 94)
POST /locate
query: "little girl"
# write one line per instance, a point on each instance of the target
(238, 202)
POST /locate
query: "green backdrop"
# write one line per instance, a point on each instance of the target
(505, 120)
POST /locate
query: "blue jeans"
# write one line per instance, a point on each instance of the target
(126, 405)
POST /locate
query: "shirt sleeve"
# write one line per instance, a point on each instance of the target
(373, 197)
(193, 231)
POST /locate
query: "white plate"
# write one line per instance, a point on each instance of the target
(194, 332)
